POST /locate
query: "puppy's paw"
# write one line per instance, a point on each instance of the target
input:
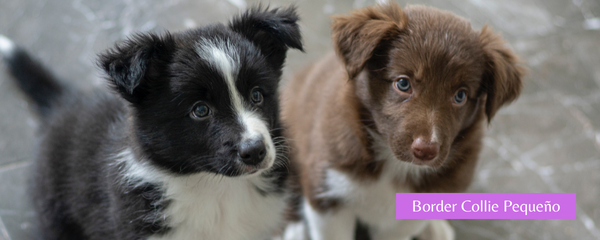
(438, 229)
(295, 231)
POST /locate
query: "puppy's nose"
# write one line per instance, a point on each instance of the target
(252, 152)
(425, 150)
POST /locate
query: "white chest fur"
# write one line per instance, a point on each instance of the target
(374, 202)
(209, 206)
(212, 207)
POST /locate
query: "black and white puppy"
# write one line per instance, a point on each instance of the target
(188, 148)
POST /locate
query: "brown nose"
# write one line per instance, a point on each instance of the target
(425, 150)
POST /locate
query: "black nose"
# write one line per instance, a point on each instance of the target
(252, 152)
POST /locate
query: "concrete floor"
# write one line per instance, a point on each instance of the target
(547, 141)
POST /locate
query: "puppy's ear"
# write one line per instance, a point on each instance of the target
(356, 36)
(273, 31)
(133, 65)
(502, 76)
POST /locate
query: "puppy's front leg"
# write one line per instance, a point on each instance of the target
(404, 229)
(438, 229)
(337, 224)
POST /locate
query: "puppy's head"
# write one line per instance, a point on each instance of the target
(424, 76)
(205, 100)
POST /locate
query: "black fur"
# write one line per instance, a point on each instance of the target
(272, 31)
(35, 81)
(81, 192)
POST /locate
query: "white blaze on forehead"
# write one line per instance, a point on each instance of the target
(223, 56)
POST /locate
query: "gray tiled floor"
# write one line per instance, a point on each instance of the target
(547, 141)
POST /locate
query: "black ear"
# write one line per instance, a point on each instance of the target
(132, 64)
(273, 31)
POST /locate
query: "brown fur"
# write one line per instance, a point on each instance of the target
(329, 107)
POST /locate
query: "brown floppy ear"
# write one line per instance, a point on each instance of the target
(355, 36)
(502, 76)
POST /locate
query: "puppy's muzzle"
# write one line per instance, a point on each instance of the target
(424, 149)
(253, 151)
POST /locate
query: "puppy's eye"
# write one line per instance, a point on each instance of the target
(256, 96)
(200, 111)
(460, 97)
(403, 84)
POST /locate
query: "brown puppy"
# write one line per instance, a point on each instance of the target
(402, 108)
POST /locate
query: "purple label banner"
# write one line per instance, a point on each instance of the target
(486, 206)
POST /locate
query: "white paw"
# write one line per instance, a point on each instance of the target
(294, 231)
(438, 229)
